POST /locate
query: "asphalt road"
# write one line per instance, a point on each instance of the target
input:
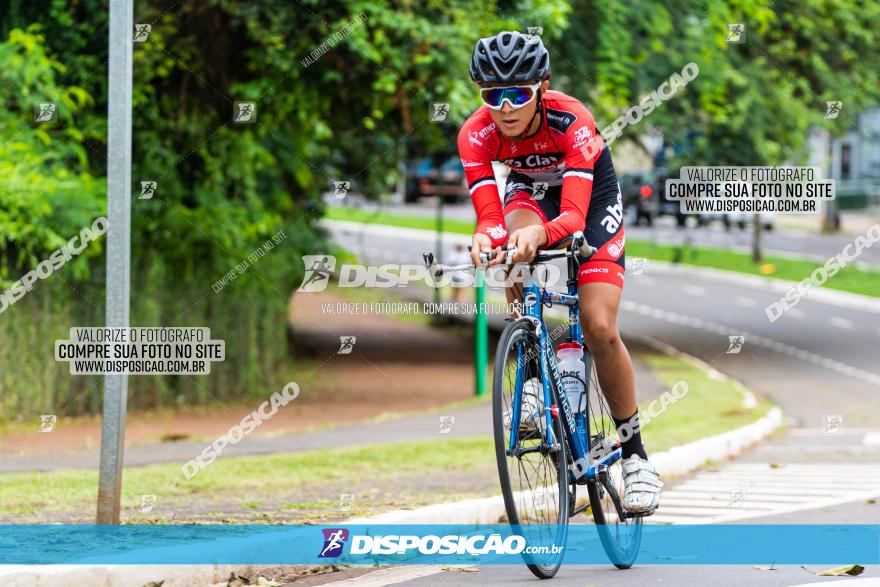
(819, 362)
(781, 242)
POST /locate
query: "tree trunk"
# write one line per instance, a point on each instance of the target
(757, 254)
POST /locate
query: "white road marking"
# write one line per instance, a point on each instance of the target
(759, 340)
(864, 582)
(796, 313)
(842, 323)
(694, 290)
(750, 490)
(745, 302)
(872, 439)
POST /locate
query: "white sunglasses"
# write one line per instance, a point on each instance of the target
(516, 96)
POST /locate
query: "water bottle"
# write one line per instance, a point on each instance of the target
(573, 372)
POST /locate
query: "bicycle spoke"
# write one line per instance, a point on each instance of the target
(531, 472)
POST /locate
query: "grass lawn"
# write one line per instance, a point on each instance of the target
(237, 478)
(402, 220)
(851, 279)
(263, 485)
(710, 407)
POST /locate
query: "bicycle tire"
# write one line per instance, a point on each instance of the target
(521, 332)
(621, 550)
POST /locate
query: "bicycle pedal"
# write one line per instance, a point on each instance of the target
(644, 514)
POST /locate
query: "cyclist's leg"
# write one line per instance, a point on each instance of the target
(600, 283)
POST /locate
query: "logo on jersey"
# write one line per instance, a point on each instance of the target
(560, 120)
(581, 136)
(474, 138)
(612, 220)
(496, 232)
(539, 146)
(533, 161)
(615, 247)
(466, 163)
(486, 130)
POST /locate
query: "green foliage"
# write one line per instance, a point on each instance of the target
(342, 92)
(356, 112)
(754, 101)
(47, 192)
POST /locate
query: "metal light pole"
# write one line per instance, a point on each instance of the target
(119, 84)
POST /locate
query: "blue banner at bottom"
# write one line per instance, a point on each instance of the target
(745, 544)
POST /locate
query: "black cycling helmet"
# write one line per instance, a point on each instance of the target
(510, 57)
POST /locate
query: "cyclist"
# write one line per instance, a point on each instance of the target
(561, 180)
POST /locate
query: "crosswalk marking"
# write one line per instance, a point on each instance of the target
(749, 490)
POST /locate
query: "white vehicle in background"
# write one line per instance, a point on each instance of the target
(743, 219)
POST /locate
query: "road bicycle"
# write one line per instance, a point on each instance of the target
(546, 448)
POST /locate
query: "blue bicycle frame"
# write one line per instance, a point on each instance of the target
(574, 423)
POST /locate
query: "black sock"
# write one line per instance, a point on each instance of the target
(633, 443)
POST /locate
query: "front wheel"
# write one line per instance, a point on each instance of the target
(534, 474)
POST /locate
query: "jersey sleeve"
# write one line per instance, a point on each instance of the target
(477, 163)
(582, 147)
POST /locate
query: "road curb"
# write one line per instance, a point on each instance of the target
(676, 461)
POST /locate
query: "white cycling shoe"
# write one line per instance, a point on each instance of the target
(641, 485)
(530, 411)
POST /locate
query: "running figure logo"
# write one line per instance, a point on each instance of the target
(833, 424)
(539, 190)
(147, 503)
(141, 32)
(148, 188)
(345, 501)
(340, 188)
(334, 541)
(735, 344)
(244, 112)
(47, 422)
(736, 498)
(637, 265)
(346, 345)
(318, 270)
(446, 424)
(735, 32)
(44, 112)
(832, 108)
(439, 111)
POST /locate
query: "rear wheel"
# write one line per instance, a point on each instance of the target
(534, 476)
(620, 536)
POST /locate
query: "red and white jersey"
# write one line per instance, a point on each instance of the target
(556, 154)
